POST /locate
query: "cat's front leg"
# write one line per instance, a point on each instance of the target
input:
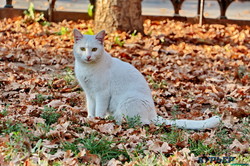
(90, 106)
(102, 104)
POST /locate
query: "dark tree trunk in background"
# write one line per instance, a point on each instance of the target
(113, 15)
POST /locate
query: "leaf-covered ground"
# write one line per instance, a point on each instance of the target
(194, 73)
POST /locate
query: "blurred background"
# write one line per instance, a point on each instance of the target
(236, 10)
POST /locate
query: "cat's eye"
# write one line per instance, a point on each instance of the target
(94, 49)
(82, 48)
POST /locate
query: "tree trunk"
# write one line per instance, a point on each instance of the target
(113, 15)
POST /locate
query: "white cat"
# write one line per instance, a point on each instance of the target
(117, 88)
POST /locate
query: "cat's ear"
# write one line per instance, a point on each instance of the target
(100, 36)
(77, 35)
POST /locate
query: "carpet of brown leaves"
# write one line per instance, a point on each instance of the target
(194, 72)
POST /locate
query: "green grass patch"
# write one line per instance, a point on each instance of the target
(40, 98)
(102, 147)
(63, 31)
(133, 122)
(89, 31)
(156, 84)
(7, 127)
(118, 41)
(174, 136)
(50, 115)
(69, 76)
(4, 112)
(199, 148)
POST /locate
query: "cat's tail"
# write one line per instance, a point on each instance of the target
(191, 124)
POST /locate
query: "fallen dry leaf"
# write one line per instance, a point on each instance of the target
(159, 147)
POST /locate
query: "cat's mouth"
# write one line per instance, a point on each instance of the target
(88, 60)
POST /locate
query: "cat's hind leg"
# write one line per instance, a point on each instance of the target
(133, 107)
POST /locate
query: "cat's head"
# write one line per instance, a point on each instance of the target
(88, 48)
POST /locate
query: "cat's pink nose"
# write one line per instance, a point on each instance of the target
(88, 58)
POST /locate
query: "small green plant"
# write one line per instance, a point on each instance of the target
(79, 129)
(37, 147)
(134, 33)
(199, 148)
(19, 140)
(174, 111)
(89, 31)
(63, 31)
(45, 23)
(30, 13)
(50, 83)
(156, 84)
(90, 9)
(162, 39)
(133, 121)
(173, 136)
(175, 107)
(4, 112)
(42, 127)
(118, 41)
(139, 149)
(110, 117)
(74, 147)
(50, 115)
(16, 146)
(102, 147)
(231, 99)
(246, 128)
(53, 151)
(223, 138)
(69, 76)
(39, 99)
(151, 159)
(7, 127)
(57, 163)
(243, 159)
(31, 16)
(95, 145)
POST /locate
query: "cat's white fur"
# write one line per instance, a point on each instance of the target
(117, 88)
